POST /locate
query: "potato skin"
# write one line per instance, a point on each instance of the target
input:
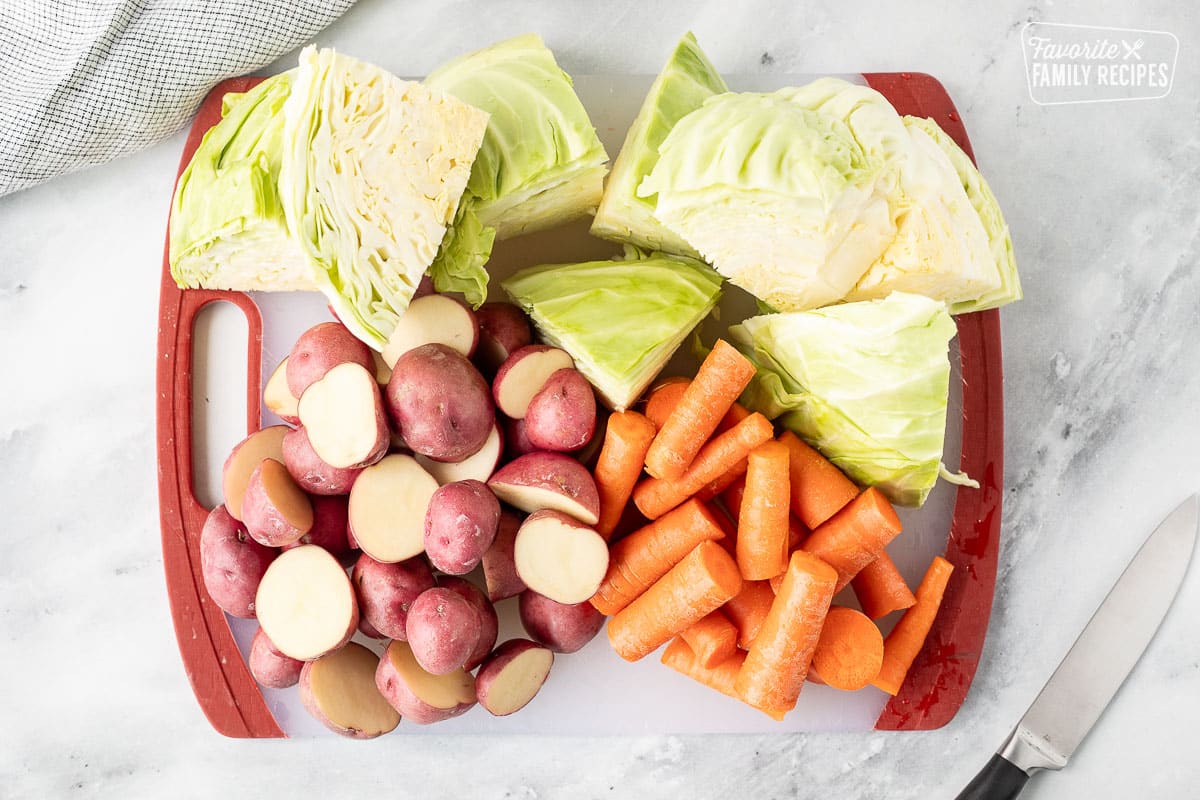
(443, 629)
(440, 403)
(321, 348)
(495, 665)
(262, 518)
(503, 328)
(564, 628)
(308, 470)
(489, 621)
(562, 415)
(516, 439)
(460, 525)
(499, 569)
(232, 563)
(557, 473)
(385, 593)
(330, 528)
(395, 689)
(270, 667)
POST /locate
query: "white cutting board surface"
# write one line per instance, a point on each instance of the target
(593, 691)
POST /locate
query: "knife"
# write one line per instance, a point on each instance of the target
(1097, 664)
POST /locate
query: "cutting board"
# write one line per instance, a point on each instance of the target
(216, 350)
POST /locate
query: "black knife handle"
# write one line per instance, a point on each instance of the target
(999, 780)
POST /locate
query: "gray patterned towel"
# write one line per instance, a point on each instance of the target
(85, 81)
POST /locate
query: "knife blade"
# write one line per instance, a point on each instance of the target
(1097, 664)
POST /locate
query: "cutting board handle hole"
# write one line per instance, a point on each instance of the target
(219, 335)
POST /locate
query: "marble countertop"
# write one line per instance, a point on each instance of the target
(1102, 366)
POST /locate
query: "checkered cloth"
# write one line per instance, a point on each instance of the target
(85, 81)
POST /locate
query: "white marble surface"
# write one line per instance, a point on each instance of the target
(1102, 391)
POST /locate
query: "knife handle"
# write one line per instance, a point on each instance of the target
(999, 780)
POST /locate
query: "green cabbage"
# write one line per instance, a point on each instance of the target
(781, 199)
(687, 80)
(228, 229)
(620, 320)
(373, 170)
(466, 248)
(864, 383)
(541, 162)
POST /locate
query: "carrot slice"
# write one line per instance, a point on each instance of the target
(736, 413)
(819, 489)
(731, 498)
(749, 609)
(722, 677)
(644, 556)
(713, 639)
(626, 440)
(902, 645)
(723, 481)
(856, 535)
(762, 544)
(697, 585)
(849, 652)
(663, 398)
(655, 496)
(775, 667)
(880, 588)
(721, 378)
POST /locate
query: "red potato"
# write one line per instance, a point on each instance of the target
(499, 571)
(245, 457)
(434, 318)
(516, 439)
(560, 557)
(330, 529)
(489, 621)
(523, 374)
(512, 676)
(387, 508)
(503, 329)
(479, 466)
(460, 525)
(274, 509)
(309, 471)
(305, 603)
(562, 415)
(321, 348)
(386, 592)
(562, 627)
(343, 417)
(548, 480)
(339, 690)
(440, 403)
(422, 697)
(232, 563)
(424, 286)
(278, 398)
(443, 630)
(270, 667)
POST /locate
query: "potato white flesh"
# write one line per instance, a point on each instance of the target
(278, 398)
(559, 557)
(478, 467)
(339, 691)
(383, 372)
(523, 374)
(274, 509)
(548, 480)
(512, 676)
(242, 461)
(344, 418)
(388, 503)
(420, 696)
(434, 318)
(305, 603)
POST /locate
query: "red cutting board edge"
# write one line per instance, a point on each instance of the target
(939, 679)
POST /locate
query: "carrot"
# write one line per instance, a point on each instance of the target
(850, 650)
(655, 496)
(722, 677)
(731, 498)
(619, 466)
(644, 556)
(713, 639)
(724, 480)
(736, 413)
(721, 378)
(880, 588)
(902, 645)
(748, 610)
(819, 489)
(778, 661)
(762, 545)
(697, 585)
(856, 535)
(728, 526)
(663, 398)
